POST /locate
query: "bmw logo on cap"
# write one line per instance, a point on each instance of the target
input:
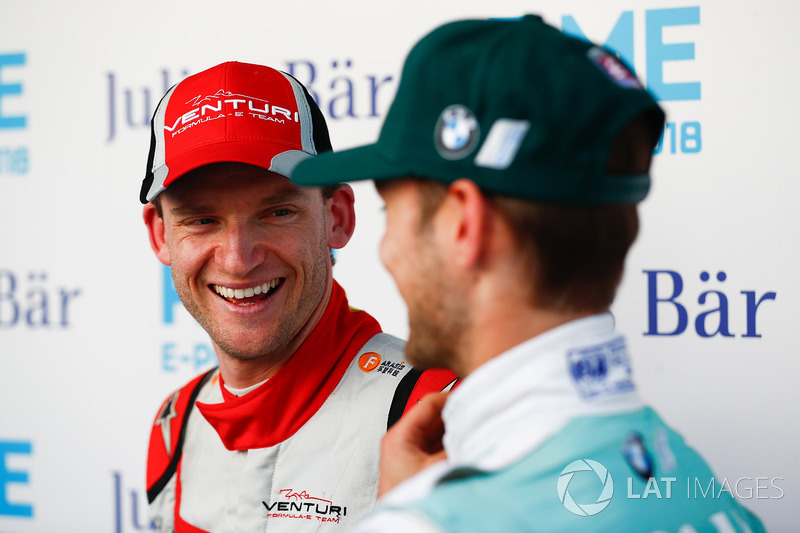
(456, 133)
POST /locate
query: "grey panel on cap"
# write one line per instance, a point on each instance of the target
(159, 175)
(285, 162)
(304, 115)
(160, 169)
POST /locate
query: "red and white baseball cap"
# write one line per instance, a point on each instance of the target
(233, 112)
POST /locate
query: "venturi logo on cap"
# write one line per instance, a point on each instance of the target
(225, 103)
(456, 133)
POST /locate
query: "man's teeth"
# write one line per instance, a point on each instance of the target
(248, 292)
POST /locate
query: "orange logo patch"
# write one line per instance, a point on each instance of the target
(369, 361)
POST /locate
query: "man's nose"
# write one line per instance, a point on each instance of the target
(239, 250)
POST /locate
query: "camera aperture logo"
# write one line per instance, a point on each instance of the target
(585, 509)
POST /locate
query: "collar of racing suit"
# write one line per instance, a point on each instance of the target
(281, 406)
(516, 401)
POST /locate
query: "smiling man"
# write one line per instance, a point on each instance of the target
(284, 435)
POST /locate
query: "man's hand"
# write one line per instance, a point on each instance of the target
(413, 443)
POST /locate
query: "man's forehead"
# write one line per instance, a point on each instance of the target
(245, 183)
(386, 186)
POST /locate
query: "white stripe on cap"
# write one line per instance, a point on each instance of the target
(502, 143)
(160, 169)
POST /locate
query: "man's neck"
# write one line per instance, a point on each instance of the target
(499, 327)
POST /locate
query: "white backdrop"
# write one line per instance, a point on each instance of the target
(92, 339)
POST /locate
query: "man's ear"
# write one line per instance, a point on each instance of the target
(341, 216)
(468, 223)
(155, 228)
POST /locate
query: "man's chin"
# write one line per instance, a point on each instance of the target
(244, 350)
(423, 356)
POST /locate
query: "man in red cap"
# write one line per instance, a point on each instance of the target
(284, 434)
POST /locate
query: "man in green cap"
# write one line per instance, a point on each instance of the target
(510, 163)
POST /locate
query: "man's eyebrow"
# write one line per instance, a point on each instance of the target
(277, 198)
(283, 196)
(188, 210)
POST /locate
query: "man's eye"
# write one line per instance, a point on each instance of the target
(281, 212)
(203, 221)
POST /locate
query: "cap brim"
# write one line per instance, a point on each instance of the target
(355, 164)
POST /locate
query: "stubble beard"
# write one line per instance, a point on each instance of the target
(287, 327)
(438, 322)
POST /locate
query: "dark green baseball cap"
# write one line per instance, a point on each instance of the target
(516, 106)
